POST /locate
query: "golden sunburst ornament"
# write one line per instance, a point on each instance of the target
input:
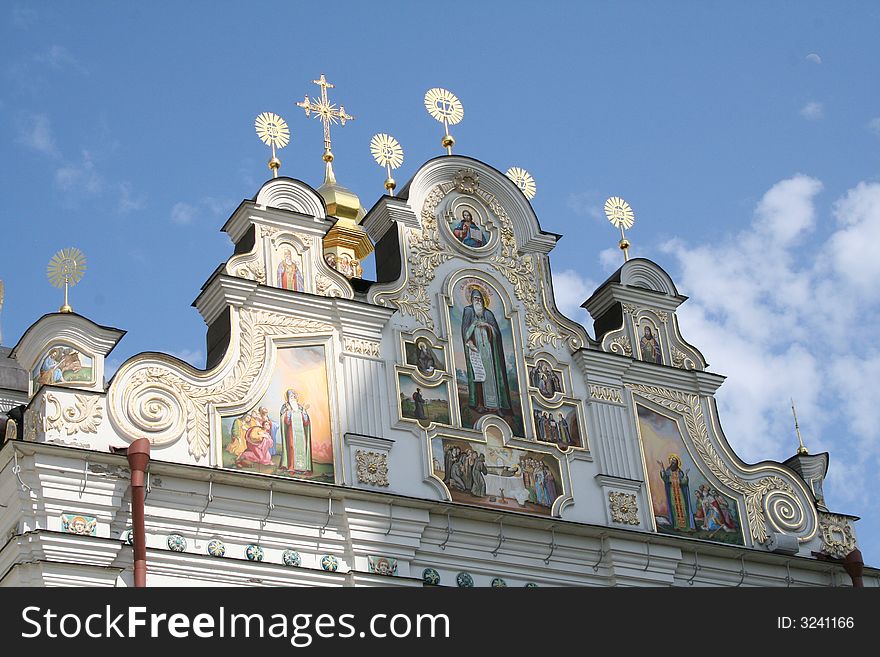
(66, 269)
(273, 131)
(523, 179)
(620, 214)
(388, 153)
(444, 107)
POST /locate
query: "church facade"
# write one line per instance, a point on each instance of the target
(442, 425)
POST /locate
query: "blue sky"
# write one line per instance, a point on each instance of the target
(746, 136)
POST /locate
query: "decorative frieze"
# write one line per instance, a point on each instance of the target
(604, 393)
(361, 347)
(83, 417)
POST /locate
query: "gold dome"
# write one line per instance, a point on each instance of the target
(341, 202)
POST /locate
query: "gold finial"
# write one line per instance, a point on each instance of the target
(802, 450)
(523, 179)
(273, 131)
(447, 109)
(65, 269)
(326, 112)
(620, 215)
(388, 153)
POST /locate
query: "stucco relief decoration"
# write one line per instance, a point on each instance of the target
(83, 417)
(426, 253)
(372, 467)
(837, 535)
(603, 393)
(361, 347)
(768, 499)
(249, 266)
(162, 401)
(621, 345)
(624, 509)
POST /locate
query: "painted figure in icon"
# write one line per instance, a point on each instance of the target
(254, 438)
(289, 274)
(425, 359)
(296, 435)
(650, 346)
(419, 401)
(546, 380)
(488, 391)
(675, 481)
(712, 511)
(58, 362)
(467, 232)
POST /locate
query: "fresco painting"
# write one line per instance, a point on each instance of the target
(559, 426)
(494, 476)
(484, 354)
(287, 432)
(61, 365)
(421, 403)
(427, 358)
(684, 501)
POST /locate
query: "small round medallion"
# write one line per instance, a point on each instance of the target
(128, 536)
(291, 558)
(254, 553)
(176, 542)
(531, 585)
(216, 548)
(464, 580)
(498, 583)
(431, 577)
(329, 563)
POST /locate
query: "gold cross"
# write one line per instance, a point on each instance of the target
(325, 111)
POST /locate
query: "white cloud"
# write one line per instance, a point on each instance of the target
(813, 111)
(586, 204)
(813, 58)
(36, 133)
(611, 259)
(784, 316)
(874, 125)
(129, 200)
(59, 58)
(571, 290)
(80, 176)
(183, 213)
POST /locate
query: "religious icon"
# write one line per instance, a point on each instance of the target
(495, 476)
(649, 345)
(684, 501)
(485, 370)
(468, 232)
(546, 380)
(558, 426)
(289, 272)
(62, 365)
(287, 432)
(423, 405)
(427, 359)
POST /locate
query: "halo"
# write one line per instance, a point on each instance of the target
(524, 180)
(66, 266)
(386, 150)
(272, 130)
(619, 212)
(676, 457)
(444, 106)
(468, 288)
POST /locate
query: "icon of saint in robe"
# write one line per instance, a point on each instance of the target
(296, 436)
(289, 274)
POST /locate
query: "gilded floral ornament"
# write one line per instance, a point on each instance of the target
(621, 345)
(837, 535)
(624, 509)
(164, 400)
(372, 467)
(604, 393)
(767, 499)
